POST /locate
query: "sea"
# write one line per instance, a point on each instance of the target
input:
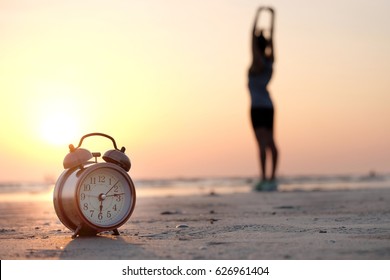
(210, 186)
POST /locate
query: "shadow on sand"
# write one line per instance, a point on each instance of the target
(104, 247)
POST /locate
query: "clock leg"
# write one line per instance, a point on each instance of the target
(116, 232)
(76, 232)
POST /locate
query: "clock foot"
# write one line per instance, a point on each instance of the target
(116, 232)
(76, 232)
(82, 231)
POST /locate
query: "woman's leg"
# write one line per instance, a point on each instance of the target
(266, 143)
(261, 137)
(274, 155)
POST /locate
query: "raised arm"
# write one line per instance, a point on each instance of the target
(256, 55)
(255, 24)
(256, 65)
(271, 39)
(256, 20)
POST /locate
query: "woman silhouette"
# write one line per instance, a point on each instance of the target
(262, 109)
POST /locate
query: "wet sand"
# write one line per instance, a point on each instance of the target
(353, 225)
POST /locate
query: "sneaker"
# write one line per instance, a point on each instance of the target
(266, 186)
(259, 186)
(271, 186)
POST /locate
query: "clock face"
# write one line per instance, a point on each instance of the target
(104, 197)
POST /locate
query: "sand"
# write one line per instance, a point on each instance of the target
(333, 225)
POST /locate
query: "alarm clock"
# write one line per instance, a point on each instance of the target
(90, 196)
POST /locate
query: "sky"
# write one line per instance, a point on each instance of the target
(168, 81)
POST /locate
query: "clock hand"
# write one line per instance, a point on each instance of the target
(101, 206)
(112, 187)
(101, 197)
(116, 194)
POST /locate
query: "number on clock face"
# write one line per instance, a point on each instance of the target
(104, 197)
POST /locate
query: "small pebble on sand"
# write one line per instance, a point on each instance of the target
(182, 226)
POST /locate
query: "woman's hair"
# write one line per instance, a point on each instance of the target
(261, 42)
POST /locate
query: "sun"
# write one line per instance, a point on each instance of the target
(58, 111)
(58, 128)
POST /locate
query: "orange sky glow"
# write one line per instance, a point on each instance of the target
(168, 80)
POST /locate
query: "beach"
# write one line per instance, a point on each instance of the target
(296, 225)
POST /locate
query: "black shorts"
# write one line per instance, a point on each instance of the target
(262, 117)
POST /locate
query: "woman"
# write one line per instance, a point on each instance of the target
(262, 109)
